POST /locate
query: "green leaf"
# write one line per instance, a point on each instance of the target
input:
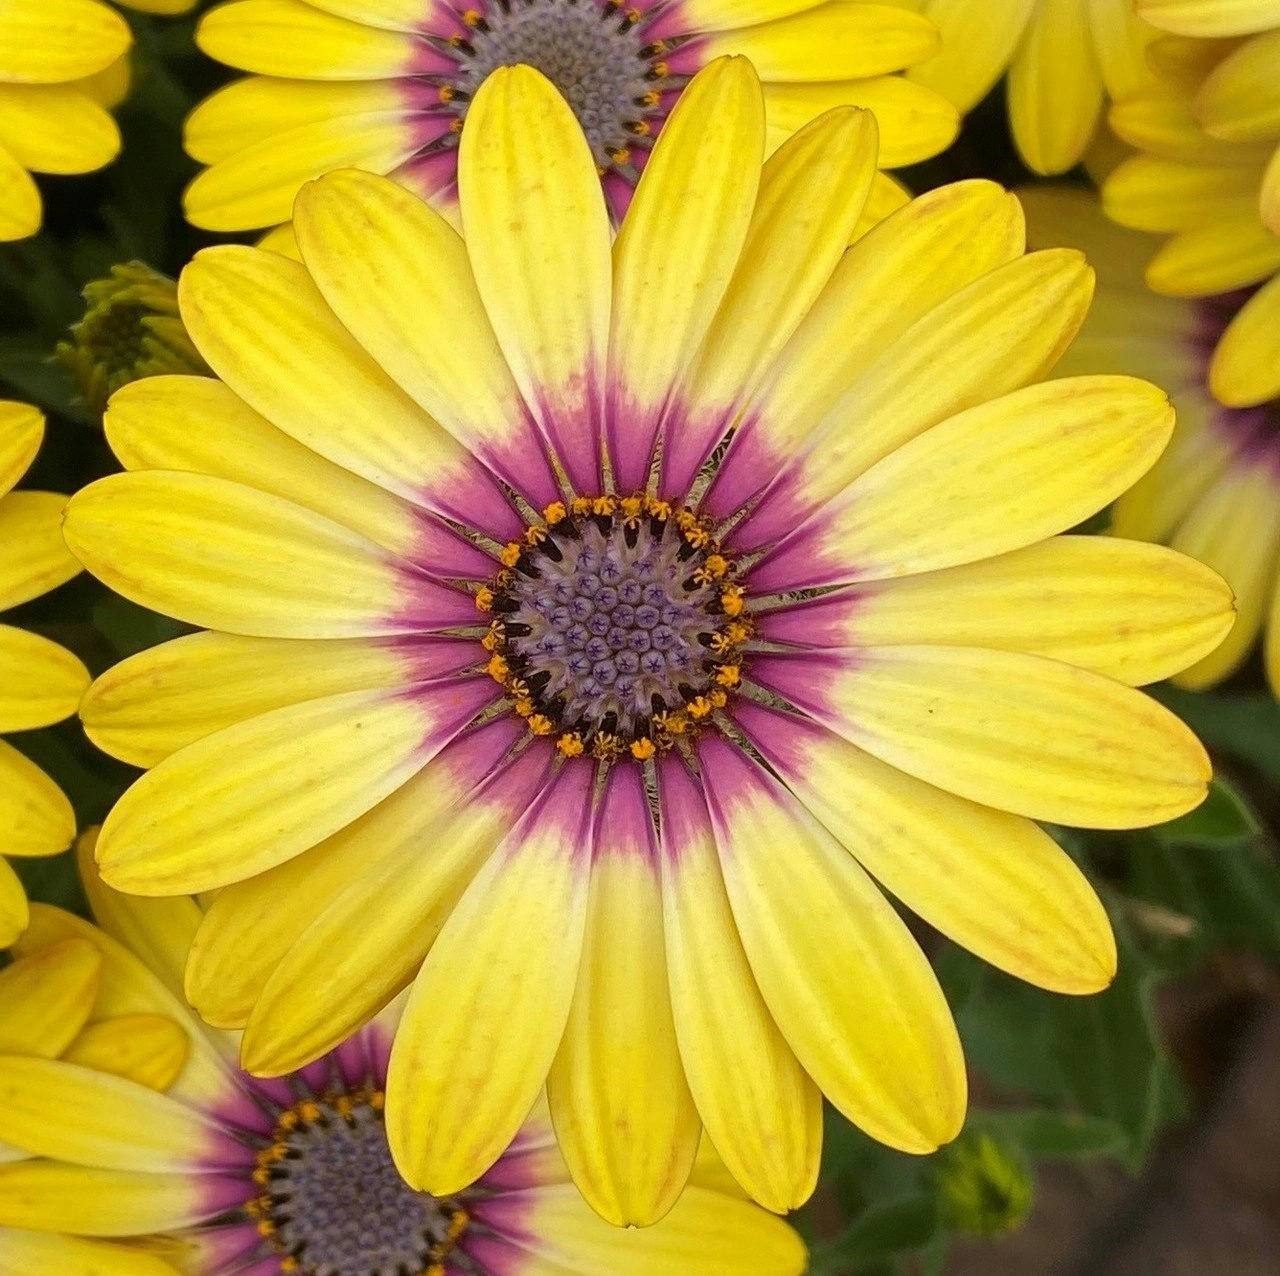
(1247, 726)
(882, 1230)
(1222, 819)
(1054, 1135)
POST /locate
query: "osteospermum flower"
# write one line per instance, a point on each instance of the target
(386, 86)
(593, 620)
(135, 1147)
(1209, 177)
(42, 682)
(1215, 493)
(1063, 58)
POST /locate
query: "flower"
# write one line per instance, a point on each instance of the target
(1064, 59)
(131, 329)
(42, 682)
(579, 605)
(49, 123)
(1209, 177)
(984, 1185)
(134, 1145)
(386, 87)
(1215, 493)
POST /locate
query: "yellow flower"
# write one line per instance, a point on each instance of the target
(42, 683)
(800, 506)
(1209, 177)
(385, 86)
(1064, 59)
(135, 1147)
(1215, 493)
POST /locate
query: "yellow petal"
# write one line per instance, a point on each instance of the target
(217, 554)
(289, 38)
(119, 1125)
(1161, 195)
(678, 247)
(21, 433)
(14, 910)
(759, 1107)
(1125, 609)
(1233, 250)
(47, 997)
(1163, 122)
(978, 41)
(35, 558)
(625, 1119)
(270, 788)
(1209, 17)
(20, 205)
(853, 994)
(1011, 731)
(1240, 101)
(55, 128)
(52, 41)
(44, 681)
(489, 1006)
(34, 811)
(1246, 364)
(149, 1050)
(994, 883)
(24, 1252)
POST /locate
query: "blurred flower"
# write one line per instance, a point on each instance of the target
(131, 329)
(984, 1185)
(133, 1145)
(593, 619)
(1211, 17)
(1064, 58)
(1209, 176)
(386, 87)
(1215, 493)
(41, 682)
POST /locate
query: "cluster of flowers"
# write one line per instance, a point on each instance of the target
(628, 539)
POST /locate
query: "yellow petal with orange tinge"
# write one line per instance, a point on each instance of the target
(995, 478)
(289, 38)
(915, 123)
(998, 334)
(52, 41)
(1246, 364)
(838, 40)
(682, 237)
(148, 1050)
(812, 192)
(14, 910)
(488, 1007)
(854, 996)
(411, 886)
(942, 242)
(55, 1197)
(20, 205)
(1019, 733)
(993, 882)
(978, 40)
(34, 812)
(21, 433)
(55, 128)
(1162, 195)
(162, 699)
(1235, 528)
(44, 681)
(270, 788)
(1240, 101)
(119, 1125)
(252, 312)
(1055, 87)
(1210, 17)
(217, 554)
(624, 1117)
(256, 186)
(706, 1234)
(250, 110)
(1233, 250)
(538, 236)
(47, 997)
(35, 558)
(759, 1107)
(1124, 609)
(24, 1252)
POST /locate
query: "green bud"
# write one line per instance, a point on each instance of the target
(131, 329)
(984, 1185)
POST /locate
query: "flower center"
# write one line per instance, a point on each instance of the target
(333, 1203)
(616, 626)
(593, 51)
